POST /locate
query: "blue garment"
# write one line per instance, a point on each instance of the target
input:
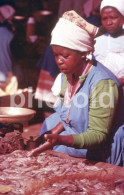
(93, 19)
(79, 122)
(6, 60)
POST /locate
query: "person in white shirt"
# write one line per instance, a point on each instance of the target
(109, 47)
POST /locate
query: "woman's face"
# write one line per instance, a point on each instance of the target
(112, 20)
(68, 61)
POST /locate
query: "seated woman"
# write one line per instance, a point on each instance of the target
(109, 48)
(85, 110)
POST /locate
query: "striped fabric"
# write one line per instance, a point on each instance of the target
(43, 90)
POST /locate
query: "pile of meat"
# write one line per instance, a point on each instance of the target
(10, 142)
(49, 174)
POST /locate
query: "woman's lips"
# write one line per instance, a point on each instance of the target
(110, 29)
(62, 69)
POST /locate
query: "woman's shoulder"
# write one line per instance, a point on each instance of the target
(100, 44)
(107, 36)
(104, 36)
(101, 72)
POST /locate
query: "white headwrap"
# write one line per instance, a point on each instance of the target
(67, 34)
(6, 12)
(118, 4)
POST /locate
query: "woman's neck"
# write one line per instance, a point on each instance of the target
(74, 77)
(118, 34)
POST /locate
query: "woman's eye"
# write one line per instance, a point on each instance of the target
(104, 18)
(55, 55)
(66, 56)
(114, 17)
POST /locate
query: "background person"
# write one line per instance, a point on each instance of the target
(76, 5)
(109, 48)
(8, 82)
(86, 131)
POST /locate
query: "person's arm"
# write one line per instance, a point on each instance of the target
(100, 115)
(100, 119)
(55, 139)
(48, 145)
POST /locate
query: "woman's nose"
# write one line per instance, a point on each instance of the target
(59, 61)
(109, 22)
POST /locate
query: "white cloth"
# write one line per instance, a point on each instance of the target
(56, 88)
(110, 52)
(118, 4)
(6, 12)
(68, 34)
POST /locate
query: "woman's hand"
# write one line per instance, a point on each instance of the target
(45, 146)
(55, 139)
(52, 140)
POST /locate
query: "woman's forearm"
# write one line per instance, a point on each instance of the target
(58, 128)
(55, 139)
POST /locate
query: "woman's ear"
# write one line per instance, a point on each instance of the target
(83, 56)
(89, 56)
